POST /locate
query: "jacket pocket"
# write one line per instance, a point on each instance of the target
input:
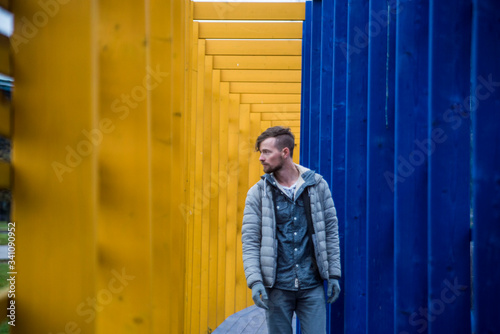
(283, 211)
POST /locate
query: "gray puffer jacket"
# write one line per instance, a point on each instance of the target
(260, 245)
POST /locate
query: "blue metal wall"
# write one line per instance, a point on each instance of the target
(401, 115)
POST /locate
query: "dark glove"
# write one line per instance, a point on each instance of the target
(333, 290)
(258, 290)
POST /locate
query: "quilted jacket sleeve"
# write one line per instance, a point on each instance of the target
(331, 229)
(251, 236)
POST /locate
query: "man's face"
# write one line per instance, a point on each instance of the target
(271, 157)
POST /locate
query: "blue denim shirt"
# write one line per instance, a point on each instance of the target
(296, 263)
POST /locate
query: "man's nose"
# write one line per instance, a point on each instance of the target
(261, 158)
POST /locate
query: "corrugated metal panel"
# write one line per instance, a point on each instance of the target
(388, 126)
(99, 157)
(248, 11)
(55, 188)
(484, 105)
(240, 88)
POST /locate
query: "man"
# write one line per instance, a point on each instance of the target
(290, 239)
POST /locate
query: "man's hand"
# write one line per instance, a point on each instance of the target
(258, 290)
(333, 290)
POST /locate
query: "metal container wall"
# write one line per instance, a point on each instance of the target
(133, 125)
(389, 92)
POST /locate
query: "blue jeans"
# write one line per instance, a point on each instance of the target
(309, 305)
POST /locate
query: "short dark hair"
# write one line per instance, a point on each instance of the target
(284, 138)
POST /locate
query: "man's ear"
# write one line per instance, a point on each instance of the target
(286, 152)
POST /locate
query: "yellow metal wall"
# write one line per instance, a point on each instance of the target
(99, 156)
(132, 155)
(246, 78)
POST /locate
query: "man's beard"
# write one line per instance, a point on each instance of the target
(274, 169)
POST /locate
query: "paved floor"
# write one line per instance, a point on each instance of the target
(251, 320)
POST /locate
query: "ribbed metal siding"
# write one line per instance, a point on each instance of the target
(390, 130)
